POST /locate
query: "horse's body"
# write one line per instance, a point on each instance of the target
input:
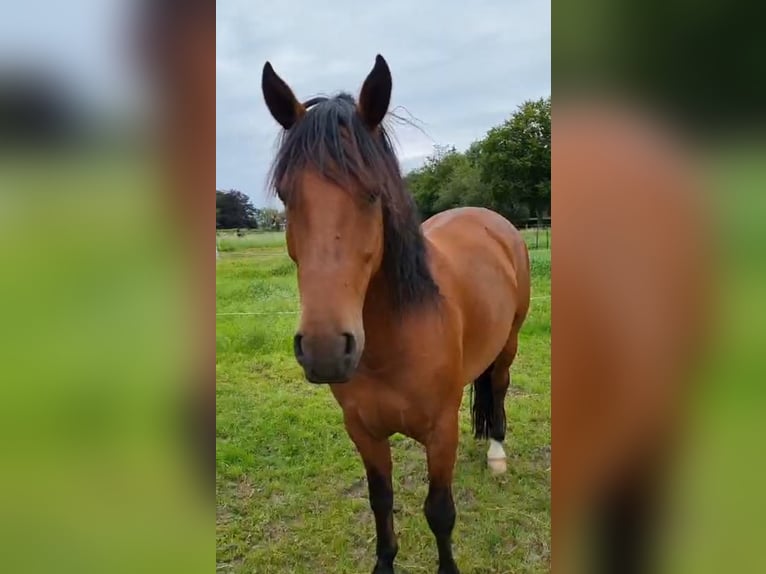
(413, 370)
(632, 317)
(395, 318)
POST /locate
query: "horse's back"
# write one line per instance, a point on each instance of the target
(482, 268)
(480, 240)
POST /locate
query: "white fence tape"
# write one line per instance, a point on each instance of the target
(235, 314)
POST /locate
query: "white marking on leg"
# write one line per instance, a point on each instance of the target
(496, 457)
(495, 449)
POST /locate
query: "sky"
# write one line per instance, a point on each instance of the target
(83, 46)
(459, 71)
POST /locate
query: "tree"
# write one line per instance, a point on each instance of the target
(507, 171)
(270, 218)
(462, 186)
(443, 182)
(514, 160)
(233, 210)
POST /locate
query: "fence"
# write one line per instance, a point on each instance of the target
(537, 232)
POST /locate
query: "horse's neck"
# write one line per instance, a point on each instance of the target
(388, 335)
(382, 324)
(379, 310)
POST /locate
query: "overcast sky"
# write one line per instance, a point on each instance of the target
(458, 70)
(81, 46)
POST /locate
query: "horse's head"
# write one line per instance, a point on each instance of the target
(333, 167)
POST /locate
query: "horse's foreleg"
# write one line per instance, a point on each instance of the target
(376, 455)
(439, 507)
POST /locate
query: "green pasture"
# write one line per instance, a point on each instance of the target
(290, 489)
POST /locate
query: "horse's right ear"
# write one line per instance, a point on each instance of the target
(282, 103)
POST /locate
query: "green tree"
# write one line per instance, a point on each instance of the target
(428, 183)
(514, 160)
(233, 210)
(270, 218)
(462, 186)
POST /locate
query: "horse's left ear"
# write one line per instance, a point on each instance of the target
(376, 94)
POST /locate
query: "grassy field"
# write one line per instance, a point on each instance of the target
(290, 488)
(229, 241)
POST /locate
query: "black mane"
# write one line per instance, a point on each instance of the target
(332, 139)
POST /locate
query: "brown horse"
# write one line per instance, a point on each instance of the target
(395, 318)
(634, 315)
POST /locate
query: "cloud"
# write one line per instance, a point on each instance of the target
(458, 70)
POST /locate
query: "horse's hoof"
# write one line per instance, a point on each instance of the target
(497, 465)
(496, 457)
(382, 568)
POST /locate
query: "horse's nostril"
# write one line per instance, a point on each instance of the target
(350, 344)
(297, 347)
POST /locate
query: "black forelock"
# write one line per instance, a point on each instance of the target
(332, 140)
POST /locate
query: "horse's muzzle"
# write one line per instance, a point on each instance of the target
(327, 359)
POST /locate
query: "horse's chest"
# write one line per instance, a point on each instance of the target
(385, 412)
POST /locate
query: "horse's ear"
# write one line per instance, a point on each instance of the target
(376, 94)
(282, 103)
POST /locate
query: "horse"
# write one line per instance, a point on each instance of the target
(175, 44)
(396, 318)
(634, 317)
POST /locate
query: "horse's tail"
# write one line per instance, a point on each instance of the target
(482, 404)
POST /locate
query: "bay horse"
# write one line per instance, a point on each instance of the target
(395, 318)
(635, 314)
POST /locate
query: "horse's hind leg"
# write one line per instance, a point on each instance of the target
(488, 410)
(499, 383)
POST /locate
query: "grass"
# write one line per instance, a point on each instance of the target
(229, 240)
(719, 479)
(290, 487)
